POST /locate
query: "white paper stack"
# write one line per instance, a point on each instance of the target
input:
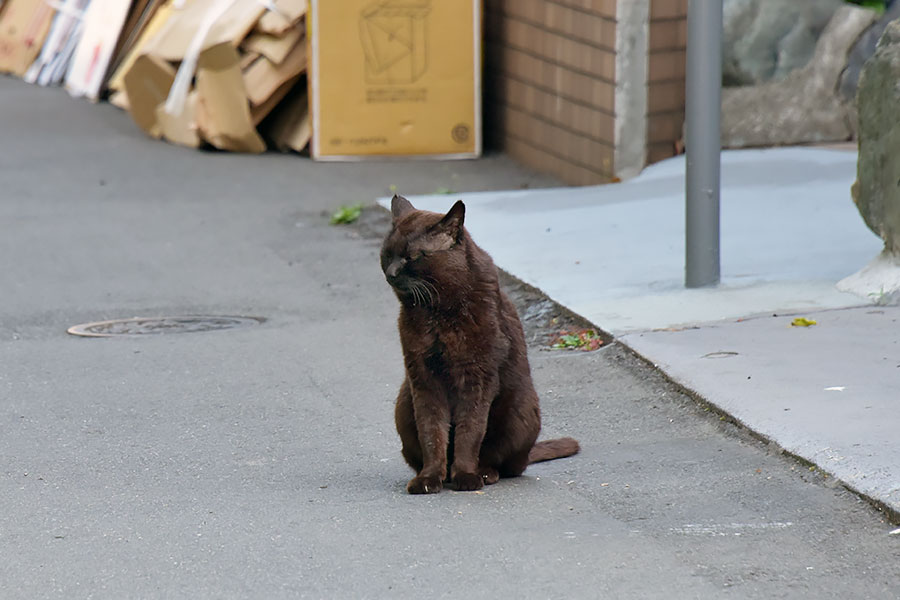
(102, 25)
(50, 66)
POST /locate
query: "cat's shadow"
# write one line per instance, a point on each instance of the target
(503, 486)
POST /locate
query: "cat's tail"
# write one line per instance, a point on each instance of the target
(550, 449)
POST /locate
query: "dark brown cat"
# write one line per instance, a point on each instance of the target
(467, 404)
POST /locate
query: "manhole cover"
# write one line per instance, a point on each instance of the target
(155, 325)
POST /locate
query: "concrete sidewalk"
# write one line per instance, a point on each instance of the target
(615, 255)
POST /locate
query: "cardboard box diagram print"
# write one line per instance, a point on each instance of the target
(394, 38)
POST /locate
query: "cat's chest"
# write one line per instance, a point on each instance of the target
(445, 347)
(454, 348)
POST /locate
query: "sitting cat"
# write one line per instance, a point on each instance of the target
(467, 404)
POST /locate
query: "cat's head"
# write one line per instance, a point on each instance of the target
(423, 254)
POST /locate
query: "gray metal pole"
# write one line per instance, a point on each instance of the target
(703, 143)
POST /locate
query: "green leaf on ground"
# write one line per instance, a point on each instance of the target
(346, 214)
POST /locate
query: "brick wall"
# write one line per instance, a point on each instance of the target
(549, 85)
(550, 77)
(665, 86)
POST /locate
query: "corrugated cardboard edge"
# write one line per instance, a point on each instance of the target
(288, 15)
(275, 48)
(312, 34)
(263, 77)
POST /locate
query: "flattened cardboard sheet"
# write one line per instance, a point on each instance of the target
(260, 112)
(289, 14)
(263, 77)
(146, 84)
(223, 114)
(275, 48)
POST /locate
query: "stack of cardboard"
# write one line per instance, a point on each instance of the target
(210, 72)
(387, 77)
(219, 72)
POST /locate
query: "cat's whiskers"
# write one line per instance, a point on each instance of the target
(413, 288)
(433, 294)
(423, 292)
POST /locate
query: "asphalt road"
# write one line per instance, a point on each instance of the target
(262, 462)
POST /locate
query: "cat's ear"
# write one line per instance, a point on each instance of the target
(452, 223)
(447, 232)
(400, 206)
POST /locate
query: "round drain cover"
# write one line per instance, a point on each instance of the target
(155, 325)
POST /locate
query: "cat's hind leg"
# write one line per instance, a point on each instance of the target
(513, 427)
(514, 465)
(489, 475)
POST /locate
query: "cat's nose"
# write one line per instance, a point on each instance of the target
(393, 270)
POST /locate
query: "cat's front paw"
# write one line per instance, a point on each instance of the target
(424, 485)
(468, 482)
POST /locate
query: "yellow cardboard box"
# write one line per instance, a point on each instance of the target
(395, 78)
